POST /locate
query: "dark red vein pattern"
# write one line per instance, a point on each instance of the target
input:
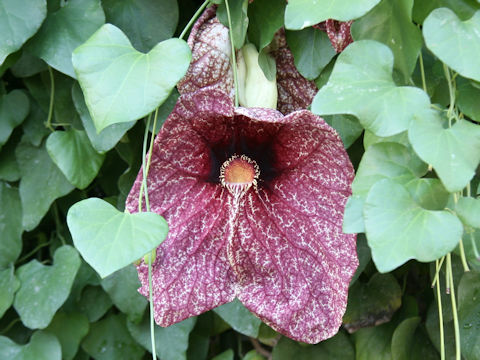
(280, 248)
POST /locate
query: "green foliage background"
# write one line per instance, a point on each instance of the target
(404, 97)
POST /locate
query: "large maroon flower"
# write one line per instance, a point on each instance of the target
(254, 201)
(211, 66)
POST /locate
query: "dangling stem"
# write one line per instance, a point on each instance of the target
(437, 272)
(440, 313)
(194, 17)
(422, 72)
(152, 323)
(451, 91)
(144, 154)
(48, 124)
(234, 60)
(454, 309)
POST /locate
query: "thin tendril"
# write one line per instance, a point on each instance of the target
(234, 60)
(458, 352)
(435, 279)
(48, 124)
(440, 313)
(422, 72)
(451, 91)
(194, 17)
(144, 154)
(38, 247)
(9, 326)
(150, 294)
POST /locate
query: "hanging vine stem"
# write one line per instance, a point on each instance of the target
(194, 17)
(422, 72)
(458, 352)
(234, 60)
(438, 266)
(48, 124)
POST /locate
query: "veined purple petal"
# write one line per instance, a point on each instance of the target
(278, 246)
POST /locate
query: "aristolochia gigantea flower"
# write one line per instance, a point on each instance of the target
(254, 201)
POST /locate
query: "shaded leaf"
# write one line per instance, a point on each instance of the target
(14, 108)
(311, 49)
(122, 287)
(302, 13)
(69, 329)
(238, 15)
(10, 224)
(42, 346)
(265, 18)
(390, 23)
(44, 289)
(454, 42)
(239, 318)
(72, 152)
(19, 20)
(347, 127)
(463, 8)
(145, 22)
(94, 303)
(226, 355)
(469, 315)
(372, 303)
(121, 84)
(124, 237)
(468, 210)
(41, 183)
(361, 84)
(353, 215)
(8, 286)
(9, 170)
(410, 342)
(109, 339)
(467, 99)
(64, 30)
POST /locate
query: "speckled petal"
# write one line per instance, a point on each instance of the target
(292, 261)
(191, 273)
(211, 66)
(339, 33)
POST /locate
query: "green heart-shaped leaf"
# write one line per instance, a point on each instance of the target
(70, 329)
(398, 229)
(64, 30)
(44, 289)
(468, 210)
(453, 152)
(239, 318)
(8, 286)
(19, 20)
(10, 224)
(42, 346)
(469, 314)
(121, 84)
(41, 183)
(391, 24)
(72, 152)
(109, 239)
(302, 13)
(455, 42)
(361, 84)
(14, 108)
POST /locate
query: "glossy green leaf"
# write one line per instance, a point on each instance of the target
(108, 137)
(374, 342)
(64, 30)
(8, 286)
(302, 13)
(398, 229)
(453, 152)
(108, 239)
(70, 329)
(428, 193)
(171, 343)
(467, 99)
(265, 19)
(312, 51)
(390, 23)
(432, 326)
(471, 237)
(14, 108)
(370, 138)
(469, 315)
(353, 215)
(44, 289)
(468, 210)
(19, 20)
(337, 347)
(387, 161)
(122, 286)
(361, 84)
(42, 182)
(34, 129)
(121, 84)
(455, 42)
(10, 224)
(372, 303)
(239, 318)
(145, 22)
(109, 339)
(74, 155)
(42, 346)
(238, 15)
(226, 355)
(364, 256)
(28, 65)
(463, 8)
